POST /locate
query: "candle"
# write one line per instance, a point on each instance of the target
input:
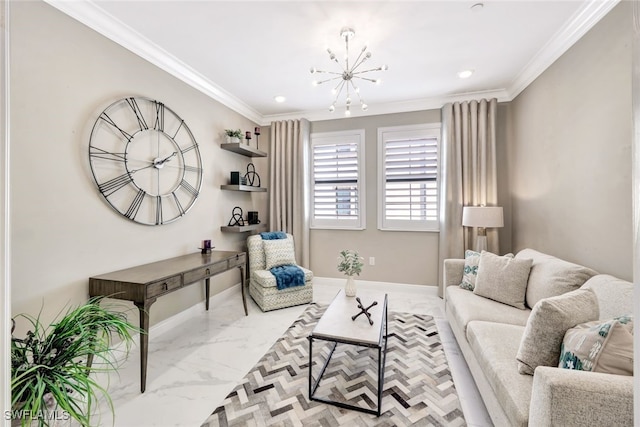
(248, 135)
(207, 244)
(257, 131)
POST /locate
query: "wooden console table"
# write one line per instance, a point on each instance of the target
(145, 283)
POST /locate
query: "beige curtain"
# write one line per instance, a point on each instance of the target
(468, 174)
(288, 192)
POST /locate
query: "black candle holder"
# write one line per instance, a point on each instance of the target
(256, 132)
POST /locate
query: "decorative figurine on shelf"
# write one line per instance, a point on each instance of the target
(247, 136)
(206, 247)
(236, 179)
(236, 217)
(256, 132)
(364, 310)
(251, 176)
(252, 217)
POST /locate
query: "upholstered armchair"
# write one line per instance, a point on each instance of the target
(263, 254)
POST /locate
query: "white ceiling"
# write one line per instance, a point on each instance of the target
(243, 53)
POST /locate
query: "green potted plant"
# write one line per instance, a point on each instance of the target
(350, 263)
(233, 135)
(50, 374)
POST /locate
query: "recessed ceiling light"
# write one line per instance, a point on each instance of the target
(279, 98)
(465, 74)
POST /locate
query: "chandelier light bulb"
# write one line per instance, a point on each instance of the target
(313, 70)
(365, 107)
(347, 112)
(382, 68)
(378, 81)
(367, 55)
(348, 101)
(315, 83)
(332, 108)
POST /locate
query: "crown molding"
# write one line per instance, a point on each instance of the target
(431, 103)
(581, 22)
(88, 13)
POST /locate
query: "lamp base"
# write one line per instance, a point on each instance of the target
(481, 243)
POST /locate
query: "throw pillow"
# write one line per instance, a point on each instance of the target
(278, 252)
(599, 346)
(471, 260)
(551, 276)
(547, 324)
(502, 278)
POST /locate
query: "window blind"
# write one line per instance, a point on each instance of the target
(411, 173)
(335, 181)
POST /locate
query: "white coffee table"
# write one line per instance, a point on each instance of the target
(336, 326)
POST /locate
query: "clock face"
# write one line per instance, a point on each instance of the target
(145, 161)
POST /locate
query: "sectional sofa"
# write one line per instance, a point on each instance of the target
(494, 335)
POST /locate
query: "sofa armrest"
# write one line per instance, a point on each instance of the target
(564, 397)
(453, 271)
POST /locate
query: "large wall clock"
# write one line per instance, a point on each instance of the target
(145, 161)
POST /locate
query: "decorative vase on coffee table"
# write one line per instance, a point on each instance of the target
(350, 287)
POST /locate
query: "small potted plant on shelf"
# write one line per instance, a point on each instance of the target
(51, 367)
(233, 135)
(350, 263)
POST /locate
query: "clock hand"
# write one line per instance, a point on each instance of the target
(166, 159)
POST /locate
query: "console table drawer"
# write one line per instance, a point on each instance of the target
(204, 272)
(238, 260)
(163, 286)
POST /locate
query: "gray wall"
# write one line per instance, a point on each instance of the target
(400, 256)
(62, 76)
(570, 152)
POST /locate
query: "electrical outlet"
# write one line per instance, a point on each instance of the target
(372, 260)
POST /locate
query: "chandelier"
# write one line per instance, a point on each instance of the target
(349, 74)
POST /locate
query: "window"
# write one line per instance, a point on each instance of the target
(408, 177)
(337, 199)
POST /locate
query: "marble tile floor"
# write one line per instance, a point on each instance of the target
(196, 360)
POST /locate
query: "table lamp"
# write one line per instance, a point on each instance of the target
(482, 217)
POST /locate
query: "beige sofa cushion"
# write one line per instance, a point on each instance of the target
(615, 296)
(495, 346)
(551, 276)
(465, 306)
(545, 329)
(502, 278)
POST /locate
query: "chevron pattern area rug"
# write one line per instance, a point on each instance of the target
(418, 389)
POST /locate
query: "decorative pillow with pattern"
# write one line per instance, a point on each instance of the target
(278, 252)
(599, 346)
(471, 261)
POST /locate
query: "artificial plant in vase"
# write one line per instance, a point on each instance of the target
(350, 263)
(49, 365)
(233, 135)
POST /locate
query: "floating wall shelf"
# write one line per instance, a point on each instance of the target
(243, 228)
(244, 149)
(236, 187)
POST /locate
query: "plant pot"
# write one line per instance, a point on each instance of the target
(350, 287)
(233, 139)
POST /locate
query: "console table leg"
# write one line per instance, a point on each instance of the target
(206, 292)
(144, 343)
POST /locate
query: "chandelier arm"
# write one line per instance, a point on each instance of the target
(368, 71)
(327, 72)
(328, 80)
(365, 78)
(341, 86)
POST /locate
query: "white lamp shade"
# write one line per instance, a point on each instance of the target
(482, 216)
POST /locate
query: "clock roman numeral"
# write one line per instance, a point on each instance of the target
(109, 187)
(178, 130)
(135, 205)
(159, 210)
(159, 124)
(99, 153)
(136, 110)
(189, 148)
(178, 205)
(192, 169)
(188, 187)
(109, 120)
